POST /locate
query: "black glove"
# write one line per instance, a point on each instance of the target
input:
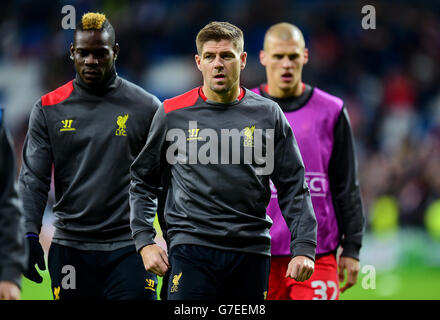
(36, 256)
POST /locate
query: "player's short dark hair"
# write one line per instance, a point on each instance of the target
(218, 31)
(96, 21)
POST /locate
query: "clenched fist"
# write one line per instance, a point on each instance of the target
(155, 259)
(300, 268)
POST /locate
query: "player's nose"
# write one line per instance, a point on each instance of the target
(91, 59)
(287, 63)
(218, 63)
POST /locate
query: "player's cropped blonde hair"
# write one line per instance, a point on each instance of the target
(96, 21)
(93, 21)
(284, 31)
(218, 31)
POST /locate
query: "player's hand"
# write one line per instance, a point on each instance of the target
(300, 268)
(36, 256)
(352, 266)
(155, 259)
(9, 291)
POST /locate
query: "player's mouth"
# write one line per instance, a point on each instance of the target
(287, 76)
(220, 76)
(91, 74)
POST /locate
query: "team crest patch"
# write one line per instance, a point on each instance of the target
(121, 130)
(248, 136)
(176, 280)
(56, 293)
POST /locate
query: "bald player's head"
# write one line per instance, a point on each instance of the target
(284, 56)
(284, 31)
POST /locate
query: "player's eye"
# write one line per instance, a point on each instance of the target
(293, 57)
(278, 56)
(228, 56)
(100, 53)
(82, 53)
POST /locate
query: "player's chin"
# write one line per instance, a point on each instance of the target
(286, 85)
(220, 88)
(92, 81)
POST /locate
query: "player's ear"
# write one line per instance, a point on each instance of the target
(72, 51)
(262, 57)
(306, 55)
(243, 59)
(197, 58)
(115, 51)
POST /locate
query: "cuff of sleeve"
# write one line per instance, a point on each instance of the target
(11, 273)
(351, 251)
(304, 249)
(142, 239)
(31, 227)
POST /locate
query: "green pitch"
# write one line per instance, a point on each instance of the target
(33, 291)
(401, 284)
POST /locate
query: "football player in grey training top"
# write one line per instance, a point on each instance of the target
(90, 130)
(219, 144)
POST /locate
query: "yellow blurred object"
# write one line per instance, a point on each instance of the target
(432, 219)
(385, 215)
(157, 226)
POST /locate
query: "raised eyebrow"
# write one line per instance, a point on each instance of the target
(221, 53)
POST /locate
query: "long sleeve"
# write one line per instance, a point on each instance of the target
(345, 189)
(161, 214)
(13, 255)
(146, 182)
(293, 194)
(35, 174)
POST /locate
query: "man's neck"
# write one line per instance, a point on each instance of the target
(276, 92)
(226, 97)
(102, 88)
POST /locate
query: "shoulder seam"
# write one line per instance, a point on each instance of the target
(184, 100)
(58, 95)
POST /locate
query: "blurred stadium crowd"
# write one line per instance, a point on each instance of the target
(388, 77)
